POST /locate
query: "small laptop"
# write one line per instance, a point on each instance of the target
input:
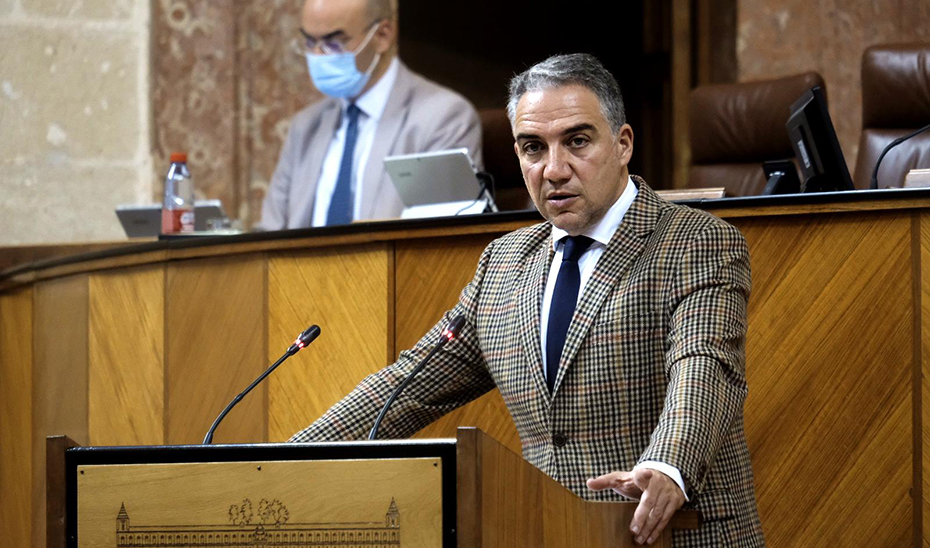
(140, 221)
(436, 183)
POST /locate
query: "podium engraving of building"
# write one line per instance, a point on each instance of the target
(269, 528)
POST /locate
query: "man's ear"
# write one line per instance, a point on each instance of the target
(625, 142)
(385, 35)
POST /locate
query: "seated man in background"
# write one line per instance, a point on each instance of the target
(330, 170)
(615, 331)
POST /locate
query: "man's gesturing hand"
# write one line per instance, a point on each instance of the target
(659, 497)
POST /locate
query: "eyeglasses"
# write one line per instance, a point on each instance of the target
(333, 43)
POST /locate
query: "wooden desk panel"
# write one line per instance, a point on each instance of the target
(921, 377)
(830, 361)
(215, 346)
(838, 352)
(59, 390)
(126, 371)
(348, 291)
(430, 276)
(16, 402)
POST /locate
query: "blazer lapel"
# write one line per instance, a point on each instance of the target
(532, 287)
(312, 166)
(626, 245)
(389, 126)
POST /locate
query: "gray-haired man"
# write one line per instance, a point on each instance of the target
(614, 331)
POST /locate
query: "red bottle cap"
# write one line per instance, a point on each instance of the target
(178, 157)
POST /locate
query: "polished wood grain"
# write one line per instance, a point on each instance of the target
(829, 362)
(316, 494)
(215, 347)
(126, 374)
(504, 501)
(59, 391)
(838, 353)
(16, 449)
(348, 291)
(56, 490)
(431, 274)
(922, 379)
(889, 203)
(14, 255)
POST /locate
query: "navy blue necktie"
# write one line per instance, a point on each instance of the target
(342, 204)
(562, 306)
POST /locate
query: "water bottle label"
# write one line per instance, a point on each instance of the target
(174, 221)
(187, 221)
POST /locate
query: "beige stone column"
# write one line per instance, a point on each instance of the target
(74, 117)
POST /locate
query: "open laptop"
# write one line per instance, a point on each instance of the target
(140, 221)
(434, 184)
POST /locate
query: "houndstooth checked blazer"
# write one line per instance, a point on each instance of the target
(652, 369)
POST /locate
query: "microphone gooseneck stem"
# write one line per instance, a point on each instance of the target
(450, 332)
(306, 337)
(208, 439)
(374, 429)
(896, 142)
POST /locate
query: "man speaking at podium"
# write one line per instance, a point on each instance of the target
(615, 331)
(330, 171)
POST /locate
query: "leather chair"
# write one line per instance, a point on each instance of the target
(501, 161)
(895, 102)
(736, 127)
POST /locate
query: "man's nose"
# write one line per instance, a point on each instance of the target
(557, 167)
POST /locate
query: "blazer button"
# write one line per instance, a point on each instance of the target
(559, 440)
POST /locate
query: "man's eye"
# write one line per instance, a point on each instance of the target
(531, 148)
(578, 141)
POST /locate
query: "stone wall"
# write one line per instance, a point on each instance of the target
(781, 37)
(74, 117)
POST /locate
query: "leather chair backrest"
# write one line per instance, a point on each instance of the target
(736, 127)
(895, 102)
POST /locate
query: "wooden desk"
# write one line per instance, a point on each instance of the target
(148, 342)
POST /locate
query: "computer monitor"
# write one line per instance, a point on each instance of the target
(815, 145)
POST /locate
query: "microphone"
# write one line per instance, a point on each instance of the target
(450, 332)
(890, 146)
(303, 340)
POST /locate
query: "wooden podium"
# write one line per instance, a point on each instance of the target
(468, 492)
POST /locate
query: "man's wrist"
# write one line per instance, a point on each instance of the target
(668, 470)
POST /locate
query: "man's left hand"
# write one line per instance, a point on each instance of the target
(659, 497)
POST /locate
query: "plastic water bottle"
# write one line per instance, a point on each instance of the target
(177, 210)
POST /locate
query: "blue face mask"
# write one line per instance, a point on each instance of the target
(336, 74)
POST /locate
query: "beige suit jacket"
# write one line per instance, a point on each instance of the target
(652, 369)
(420, 116)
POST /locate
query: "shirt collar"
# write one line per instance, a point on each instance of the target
(602, 231)
(373, 101)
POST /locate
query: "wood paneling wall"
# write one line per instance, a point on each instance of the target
(830, 364)
(349, 293)
(215, 333)
(59, 389)
(430, 277)
(126, 373)
(838, 356)
(16, 401)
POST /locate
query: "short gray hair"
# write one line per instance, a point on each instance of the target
(574, 69)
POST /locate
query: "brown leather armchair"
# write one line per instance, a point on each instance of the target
(895, 102)
(736, 127)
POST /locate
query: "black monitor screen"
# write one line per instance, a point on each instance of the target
(815, 145)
